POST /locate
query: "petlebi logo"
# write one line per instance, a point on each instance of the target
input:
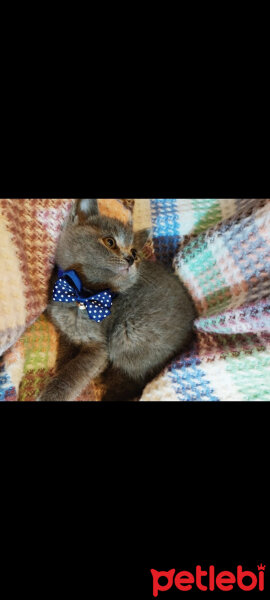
(208, 580)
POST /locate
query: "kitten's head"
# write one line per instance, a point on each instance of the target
(102, 250)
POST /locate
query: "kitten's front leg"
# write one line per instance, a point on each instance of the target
(76, 374)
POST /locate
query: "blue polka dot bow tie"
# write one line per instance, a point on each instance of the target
(69, 288)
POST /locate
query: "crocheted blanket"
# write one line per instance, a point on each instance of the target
(219, 248)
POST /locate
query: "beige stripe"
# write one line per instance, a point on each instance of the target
(221, 381)
(12, 300)
(142, 214)
(9, 336)
(228, 208)
(160, 390)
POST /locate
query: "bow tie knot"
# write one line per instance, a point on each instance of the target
(69, 288)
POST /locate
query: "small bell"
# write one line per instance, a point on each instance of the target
(81, 305)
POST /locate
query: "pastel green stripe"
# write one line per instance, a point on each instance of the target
(214, 323)
(204, 267)
(251, 374)
(195, 261)
(207, 213)
(194, 249)
(36, 341)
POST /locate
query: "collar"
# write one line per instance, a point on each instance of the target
(69, 289)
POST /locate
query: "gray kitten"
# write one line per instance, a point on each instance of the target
(151, 315)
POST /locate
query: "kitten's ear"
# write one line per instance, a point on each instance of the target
(141, 237)
(86, 208)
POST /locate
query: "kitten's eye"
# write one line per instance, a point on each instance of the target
(109, 242)
(134, 253)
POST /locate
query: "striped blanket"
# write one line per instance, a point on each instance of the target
(219, 248)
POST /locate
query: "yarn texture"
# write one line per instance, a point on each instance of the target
(219, 248)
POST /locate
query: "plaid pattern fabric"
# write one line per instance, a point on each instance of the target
(221, 250)
(29, 231)
(224, 261)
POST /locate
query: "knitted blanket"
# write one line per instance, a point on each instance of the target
(219, 248)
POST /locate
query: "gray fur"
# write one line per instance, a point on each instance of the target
(151, 318)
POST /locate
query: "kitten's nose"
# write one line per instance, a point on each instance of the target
(130, 260)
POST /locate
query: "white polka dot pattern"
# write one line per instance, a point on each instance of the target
(97, 305)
